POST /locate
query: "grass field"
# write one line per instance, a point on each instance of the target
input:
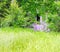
(27, 40)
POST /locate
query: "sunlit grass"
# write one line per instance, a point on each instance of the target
(27, 40)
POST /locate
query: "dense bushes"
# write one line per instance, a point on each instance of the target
(23, 13)
(54, 22)
(16, 16)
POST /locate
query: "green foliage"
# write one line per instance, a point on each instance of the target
(16, 16)
(4, 4)
(19, 13)
(54, 22)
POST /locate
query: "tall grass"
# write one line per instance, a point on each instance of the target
(27, 40)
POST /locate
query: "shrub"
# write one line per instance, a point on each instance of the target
(15, 16)
(54, 22)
